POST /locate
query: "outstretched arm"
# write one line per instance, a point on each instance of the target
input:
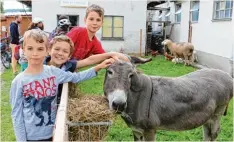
(76, 77)
(95, 59)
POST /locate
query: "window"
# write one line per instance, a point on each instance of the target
(74, 19)
(167, 16)
(194, 11)
(223, 9)
(112, 27)
(178, 13)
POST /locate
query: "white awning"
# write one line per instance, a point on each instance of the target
(178, 11)
(195, 6)
(160, 16)
(168, 14)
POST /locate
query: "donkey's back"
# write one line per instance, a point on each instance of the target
(192, 100)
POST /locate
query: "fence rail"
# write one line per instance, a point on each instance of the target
(61, 128)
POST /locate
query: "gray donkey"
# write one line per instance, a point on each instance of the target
(150, 103)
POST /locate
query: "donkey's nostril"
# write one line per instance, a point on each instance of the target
(114, 105)
(120, 106)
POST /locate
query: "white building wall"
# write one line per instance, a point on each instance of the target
(134, 13)
(209, 36)
(48, 10)
(180, 30)
(212, 39)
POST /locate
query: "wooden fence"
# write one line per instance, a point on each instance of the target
(61, 127)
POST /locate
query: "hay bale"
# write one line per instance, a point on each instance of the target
(88, 109)
(73, 90)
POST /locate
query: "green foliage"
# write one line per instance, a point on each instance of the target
(1, 6)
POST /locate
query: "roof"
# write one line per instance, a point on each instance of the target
(17, 13)
(153, 3)
(12, 12)
(26, 2)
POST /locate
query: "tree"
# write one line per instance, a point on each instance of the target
(1, 7)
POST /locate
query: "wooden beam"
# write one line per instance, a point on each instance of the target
(158, 8)
(166, 22)
(61, 128)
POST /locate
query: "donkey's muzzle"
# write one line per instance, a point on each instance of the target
(119, 106)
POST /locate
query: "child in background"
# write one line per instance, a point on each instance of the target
(34, 91)
(37, 23)
(60, 52)
(22, 58)
(62, 28)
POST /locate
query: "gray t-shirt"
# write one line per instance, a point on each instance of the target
(33, 101)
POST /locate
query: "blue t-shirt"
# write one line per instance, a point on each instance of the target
(33, 101)
(70, 65)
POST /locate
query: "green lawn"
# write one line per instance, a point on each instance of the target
(7, 132)
(119, 131)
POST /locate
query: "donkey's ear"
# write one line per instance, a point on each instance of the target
(136, 83)
(138, 60)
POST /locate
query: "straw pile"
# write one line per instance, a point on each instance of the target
(88, 109)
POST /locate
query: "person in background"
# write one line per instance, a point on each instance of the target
(84, 38)
(33, 92)
(15, 34)
(62, 28)
(37, 23)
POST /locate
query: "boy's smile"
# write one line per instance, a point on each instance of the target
(60, 53)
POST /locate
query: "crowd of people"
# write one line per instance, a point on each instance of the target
(47, 63)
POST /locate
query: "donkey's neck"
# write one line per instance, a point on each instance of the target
(138, 101)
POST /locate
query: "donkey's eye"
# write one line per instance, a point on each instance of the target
(109, 72)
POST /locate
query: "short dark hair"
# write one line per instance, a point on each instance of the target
(63, 17)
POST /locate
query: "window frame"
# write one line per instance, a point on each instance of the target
(214, 18)
(168, 15)
(112, 28)
(179, 12)
(194, 10)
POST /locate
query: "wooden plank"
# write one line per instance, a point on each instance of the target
(61, 128)
(167, 22)
(158, 8)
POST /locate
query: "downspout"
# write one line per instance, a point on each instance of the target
(190, 25)
(231, 61)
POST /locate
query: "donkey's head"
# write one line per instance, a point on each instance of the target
(121, 78)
